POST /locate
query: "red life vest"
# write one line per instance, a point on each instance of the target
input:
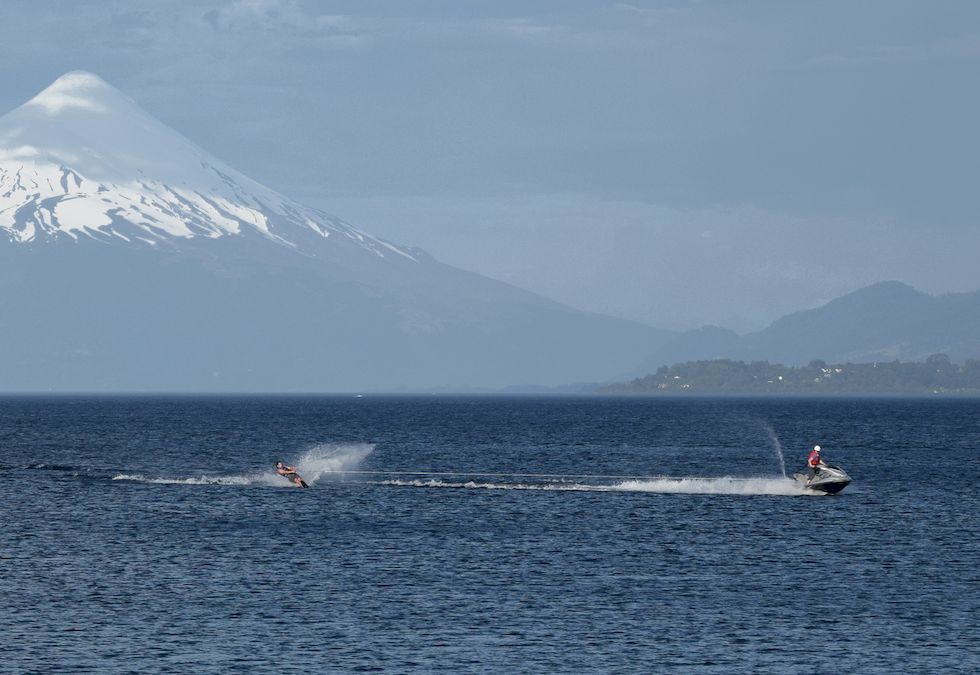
(814, 459)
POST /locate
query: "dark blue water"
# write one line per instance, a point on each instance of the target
(486, 535)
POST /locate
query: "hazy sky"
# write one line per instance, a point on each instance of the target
(674, 162)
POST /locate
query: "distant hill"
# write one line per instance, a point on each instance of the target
(884, 322)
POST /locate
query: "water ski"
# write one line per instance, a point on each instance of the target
(296, 479)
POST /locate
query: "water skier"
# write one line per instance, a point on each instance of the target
(289, 472)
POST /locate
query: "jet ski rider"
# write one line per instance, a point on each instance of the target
(813, 461)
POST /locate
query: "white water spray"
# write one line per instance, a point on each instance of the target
(320, 460)
(777, 446)
(331, 458)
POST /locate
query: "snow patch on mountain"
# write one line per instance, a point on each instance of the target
(81, 159)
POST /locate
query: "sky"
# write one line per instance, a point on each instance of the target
(675, 163)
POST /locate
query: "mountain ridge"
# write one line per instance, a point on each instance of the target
(885, 321)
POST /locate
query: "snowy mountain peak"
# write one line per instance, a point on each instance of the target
(82, 159)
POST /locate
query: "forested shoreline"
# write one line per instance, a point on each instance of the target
(937, 375)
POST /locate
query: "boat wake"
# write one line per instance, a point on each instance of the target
(319, 461)
(258, 478)
(664, 485)
(331, 460)
(718, 486)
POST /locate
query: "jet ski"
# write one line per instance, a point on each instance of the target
(826, 478)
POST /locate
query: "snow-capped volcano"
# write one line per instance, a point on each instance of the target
(81, 159)
(132, 260)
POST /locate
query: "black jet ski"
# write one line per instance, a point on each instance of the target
(826, 478)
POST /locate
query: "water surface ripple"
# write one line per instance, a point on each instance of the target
(486, 535)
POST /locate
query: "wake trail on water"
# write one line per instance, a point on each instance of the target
(342, 460)
(664, 485)
(320, 460)
(718, 486)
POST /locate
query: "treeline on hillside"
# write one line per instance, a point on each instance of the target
(936, 375)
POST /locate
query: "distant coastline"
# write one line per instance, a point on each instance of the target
(936, 376)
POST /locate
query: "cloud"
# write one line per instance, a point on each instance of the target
(19, 153)
(523, 27)
(272, 16)
(56, 102)
(73, 90)
(655, 13)
(960, 48)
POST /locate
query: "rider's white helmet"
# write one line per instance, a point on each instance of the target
(816, 448)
